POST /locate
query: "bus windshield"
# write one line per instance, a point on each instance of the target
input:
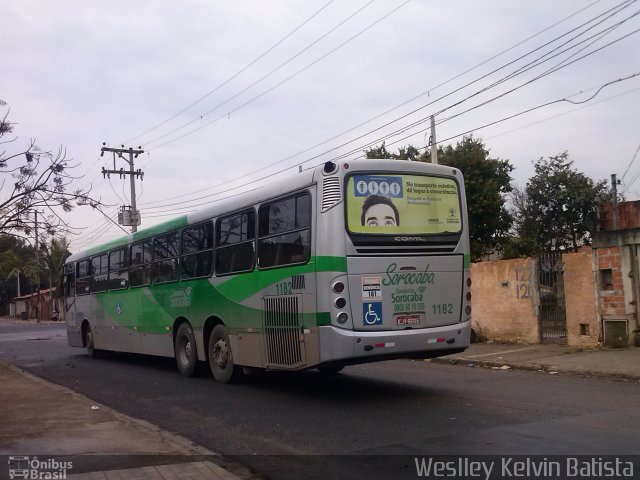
(403, 204)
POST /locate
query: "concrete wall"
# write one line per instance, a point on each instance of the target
(581, 299)
(504, 300)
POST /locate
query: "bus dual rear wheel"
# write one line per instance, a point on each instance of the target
(220, 356)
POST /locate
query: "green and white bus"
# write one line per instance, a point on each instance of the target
(346, 263)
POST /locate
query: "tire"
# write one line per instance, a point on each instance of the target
(92, 352)
(220, 356)
(330, 370)
(185, 350)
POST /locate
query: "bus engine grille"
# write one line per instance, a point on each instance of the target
(282, 331)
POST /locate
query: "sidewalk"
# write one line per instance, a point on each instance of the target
(620, 363)
(56, 425)
(29, 321)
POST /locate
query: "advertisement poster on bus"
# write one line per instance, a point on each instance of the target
(403, 204)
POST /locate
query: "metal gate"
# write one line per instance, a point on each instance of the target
(552, 313)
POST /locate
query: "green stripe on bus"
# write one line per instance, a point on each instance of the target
(244, 285)
(331, 264)
(323, 318)
(467, 260)
(157, 310)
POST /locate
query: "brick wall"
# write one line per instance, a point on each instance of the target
(628, 216)
(610, 284)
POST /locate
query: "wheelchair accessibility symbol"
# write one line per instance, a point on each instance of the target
(372, 313)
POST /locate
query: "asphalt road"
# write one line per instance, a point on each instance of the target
(279, 423)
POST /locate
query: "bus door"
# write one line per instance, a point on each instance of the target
(69, 294)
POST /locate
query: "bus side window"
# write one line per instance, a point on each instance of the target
(83, 278)
(166, 254)
(69, 281)
(100, 272)
(197, 251)
(235, 243)
(140, 258)
(285, 232)
(118, 273)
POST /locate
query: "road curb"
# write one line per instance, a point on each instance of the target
(533, 367)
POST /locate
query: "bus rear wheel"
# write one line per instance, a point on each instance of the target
(185, 350)
(89, 342)
(221, 356)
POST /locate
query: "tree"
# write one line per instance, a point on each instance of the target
(17, 264)
(55, 254)
(404, 153)
(558, 208)
(35, 179)
(487, 183)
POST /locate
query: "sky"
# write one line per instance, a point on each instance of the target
(219, 94)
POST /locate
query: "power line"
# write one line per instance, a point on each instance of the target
(226, 115)
(635, 177)
(564, 99)
(398, 106)
(554, 68)
(562, 114)
(631, 162)
(619, 6)
(242, 70)
(521, 112)
(404, 129)
(264, 77)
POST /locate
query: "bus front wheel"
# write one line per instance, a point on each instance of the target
(221, 356)
(185, 350)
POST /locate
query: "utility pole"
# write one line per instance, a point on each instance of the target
(128, 217)
(614, 200)
(432, 141)
(37, 270)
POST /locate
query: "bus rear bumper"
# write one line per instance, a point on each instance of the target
(348, 346)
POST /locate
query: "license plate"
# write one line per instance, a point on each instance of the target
(408, 319)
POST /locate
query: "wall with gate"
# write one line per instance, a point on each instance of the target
(506, 300)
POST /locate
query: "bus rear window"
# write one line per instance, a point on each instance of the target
(402, 204)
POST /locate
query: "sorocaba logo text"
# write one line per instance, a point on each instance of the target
(408, 278)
